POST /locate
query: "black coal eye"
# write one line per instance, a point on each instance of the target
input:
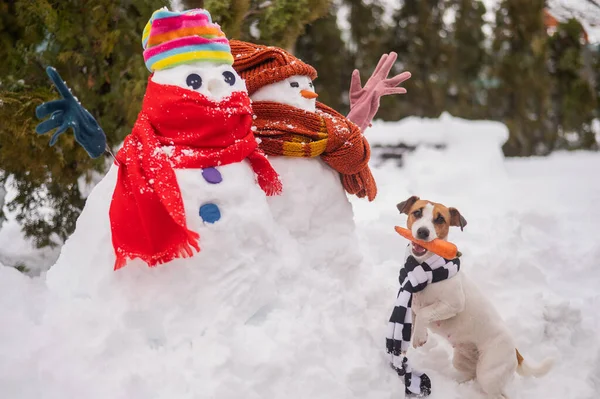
(294, 84)
(194, 81)
(440, 219)
(229, 77)
(310, 84)
(418, 213)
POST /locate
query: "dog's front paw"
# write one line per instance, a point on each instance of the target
(419, 338)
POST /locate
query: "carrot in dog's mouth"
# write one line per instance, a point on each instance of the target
(445, 249)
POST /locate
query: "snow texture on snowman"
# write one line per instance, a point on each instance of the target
(319, 154)
(187, 188)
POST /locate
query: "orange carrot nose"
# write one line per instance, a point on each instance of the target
(308, 94)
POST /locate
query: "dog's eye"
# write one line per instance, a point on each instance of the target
(440, 220)
(418, 213)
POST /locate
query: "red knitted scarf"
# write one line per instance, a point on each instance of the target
(176, 129)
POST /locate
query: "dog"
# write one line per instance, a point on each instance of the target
(457, 310)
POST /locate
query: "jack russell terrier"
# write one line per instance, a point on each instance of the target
(457, 310)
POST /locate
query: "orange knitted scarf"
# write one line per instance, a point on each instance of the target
(289, 131)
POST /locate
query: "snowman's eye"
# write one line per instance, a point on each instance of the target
(229, 77)
(310, 84)
(294, 84)
(194, 81)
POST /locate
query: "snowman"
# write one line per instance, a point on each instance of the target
(320, 155)
(187, 191)
(232, 308)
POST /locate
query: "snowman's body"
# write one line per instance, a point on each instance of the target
(242, 247)
(314, 206)
(315, 210)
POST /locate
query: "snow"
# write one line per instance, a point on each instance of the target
(315, 210)
(15, 249)
(261, 319)
(283, 92)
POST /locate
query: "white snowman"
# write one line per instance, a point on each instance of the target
(300, 136)
(183, 192)
(249, 314)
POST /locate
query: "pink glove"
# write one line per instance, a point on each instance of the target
(364, 101)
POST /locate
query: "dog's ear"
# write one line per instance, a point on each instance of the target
(405, 206)
(456, 219)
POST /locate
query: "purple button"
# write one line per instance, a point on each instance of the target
(212, 175)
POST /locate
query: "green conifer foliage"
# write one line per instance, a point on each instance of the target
(522, 98)
(96, 47)
(322, 47)
(573, 97)
(277, 22)
(468, 60)
(367, 33)
(420, 38)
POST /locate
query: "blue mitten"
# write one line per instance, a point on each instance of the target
(66, 113)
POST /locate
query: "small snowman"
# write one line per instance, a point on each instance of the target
(183, 189)
(319, 154)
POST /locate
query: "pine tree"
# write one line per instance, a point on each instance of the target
(230, 14)
(522, 98)
(96, 47)
(574, 100)
(322, 47)
(468, 60)
(366, 32)
(420, 38)
(277, 22)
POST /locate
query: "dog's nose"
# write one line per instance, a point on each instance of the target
(423, 233)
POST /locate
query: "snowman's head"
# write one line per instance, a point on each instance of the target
(215, 81)
(273, 74)
(188, 50)
(297, 91)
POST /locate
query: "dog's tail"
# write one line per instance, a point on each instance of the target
(525, 369)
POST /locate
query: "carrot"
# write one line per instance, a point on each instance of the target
(445, 249)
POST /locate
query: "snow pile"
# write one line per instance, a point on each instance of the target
(15, 249)
(451, 155)
(150, 333)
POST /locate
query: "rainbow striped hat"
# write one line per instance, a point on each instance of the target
(173, 38)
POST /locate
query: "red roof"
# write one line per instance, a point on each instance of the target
(551, 22)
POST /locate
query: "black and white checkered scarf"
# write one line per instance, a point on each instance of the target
(414, 277)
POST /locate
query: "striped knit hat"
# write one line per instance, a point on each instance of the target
(173, 38)
(262, 65)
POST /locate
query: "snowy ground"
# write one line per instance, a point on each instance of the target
(531, 245)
